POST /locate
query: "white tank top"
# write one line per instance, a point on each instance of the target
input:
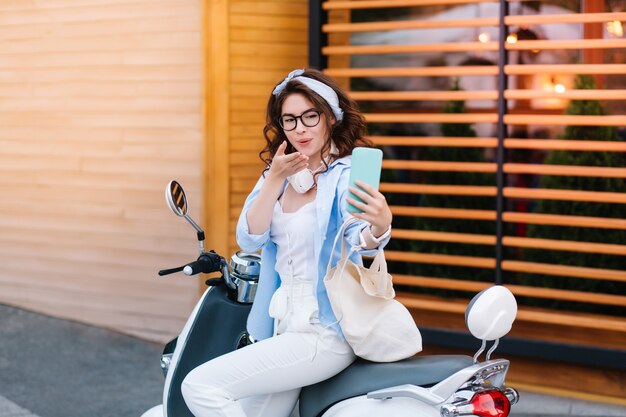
(294, 304)
(293, 234)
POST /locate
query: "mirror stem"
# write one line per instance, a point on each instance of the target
(200, 232)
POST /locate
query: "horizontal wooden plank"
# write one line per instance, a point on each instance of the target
(526, 69)
(568, 170)
(511, 217)
(116, 89)
(123, 42)
(446, 166)
(511, 241)
(97, 13)
(435, 117)
(377, 4)
(567, 195)
(561, 220)
(407, 24)
(411, 48)
(251, 50)
(136, 73)
(423, 95)
(268, 22)
(525, 20)
(283, 64)
(105, 104)
(268, 8)
(518, 290)
(474, 190)
(566, 144)
(445, 237)
(568, 94)
(77, 29)
(564, 270)
(566, 44)
(295, 38)
(582, 120)
(512, 143)
(445, 213)
(101, 59)
(103, 119)
(435, 141)
(523, 314)
(530, 69)
(429, 258)
(564, 245)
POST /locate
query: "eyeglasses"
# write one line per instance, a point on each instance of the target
(309, 118)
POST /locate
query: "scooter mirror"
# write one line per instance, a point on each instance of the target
(176, 199)
(491, 313)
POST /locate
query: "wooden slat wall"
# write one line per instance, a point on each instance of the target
(586, 328)
(266, 40)
(100, 106)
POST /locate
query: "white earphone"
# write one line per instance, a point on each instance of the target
(302, 181)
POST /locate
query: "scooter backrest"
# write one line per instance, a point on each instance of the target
(491, 313)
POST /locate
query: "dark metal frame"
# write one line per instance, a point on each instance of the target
(562, 352)
(317, 38)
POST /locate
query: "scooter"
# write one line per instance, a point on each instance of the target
(421, 386)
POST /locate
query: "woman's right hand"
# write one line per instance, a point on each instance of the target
(284, 166)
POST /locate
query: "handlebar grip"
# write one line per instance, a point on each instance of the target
(170, 271)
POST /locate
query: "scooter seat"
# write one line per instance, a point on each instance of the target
(363, 376)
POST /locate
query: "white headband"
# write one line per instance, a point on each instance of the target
(319, 87)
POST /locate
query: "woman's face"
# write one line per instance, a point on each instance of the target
(307, 140)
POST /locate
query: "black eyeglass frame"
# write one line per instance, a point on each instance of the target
(319, 118)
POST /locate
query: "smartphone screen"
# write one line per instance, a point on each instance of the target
(366, 166)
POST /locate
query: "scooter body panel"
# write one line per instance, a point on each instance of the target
(156, 411)
(363, 376)
(397, 407)
(213, 329)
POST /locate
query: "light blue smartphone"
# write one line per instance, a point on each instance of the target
(366, 166)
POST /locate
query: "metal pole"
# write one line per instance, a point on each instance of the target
(317, 39)
(502, 134)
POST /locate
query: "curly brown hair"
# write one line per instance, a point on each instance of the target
(345, 134)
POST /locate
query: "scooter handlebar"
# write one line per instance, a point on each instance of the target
(170, 271)
(207, 262)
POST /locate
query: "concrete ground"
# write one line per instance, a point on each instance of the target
(57, 368)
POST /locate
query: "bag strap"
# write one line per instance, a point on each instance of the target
(339, 236)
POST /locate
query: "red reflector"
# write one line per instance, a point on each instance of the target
(491, 404)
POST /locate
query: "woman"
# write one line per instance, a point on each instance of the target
(293, 214)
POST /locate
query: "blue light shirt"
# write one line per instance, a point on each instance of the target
(330, 206)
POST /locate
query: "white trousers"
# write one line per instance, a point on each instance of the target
(263, 379)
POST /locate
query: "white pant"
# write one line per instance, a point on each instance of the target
(264, 379)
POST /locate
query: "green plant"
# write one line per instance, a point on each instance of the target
(454, 154)
(581, 208)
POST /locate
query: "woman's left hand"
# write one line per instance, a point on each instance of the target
(374, 207)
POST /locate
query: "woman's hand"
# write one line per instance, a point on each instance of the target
(374, 207)
(284, 166)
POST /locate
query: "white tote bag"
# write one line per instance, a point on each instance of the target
(377, 327)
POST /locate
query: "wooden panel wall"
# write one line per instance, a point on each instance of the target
(100, 106)
(251, 46)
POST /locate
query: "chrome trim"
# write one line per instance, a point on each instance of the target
(493, 348)
(246, 267)
(166, 360)
(512, 395)
(481, 350)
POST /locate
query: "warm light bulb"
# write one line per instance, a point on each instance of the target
(559, 88)
(615, 28)
(512, 38)
(483, 37)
